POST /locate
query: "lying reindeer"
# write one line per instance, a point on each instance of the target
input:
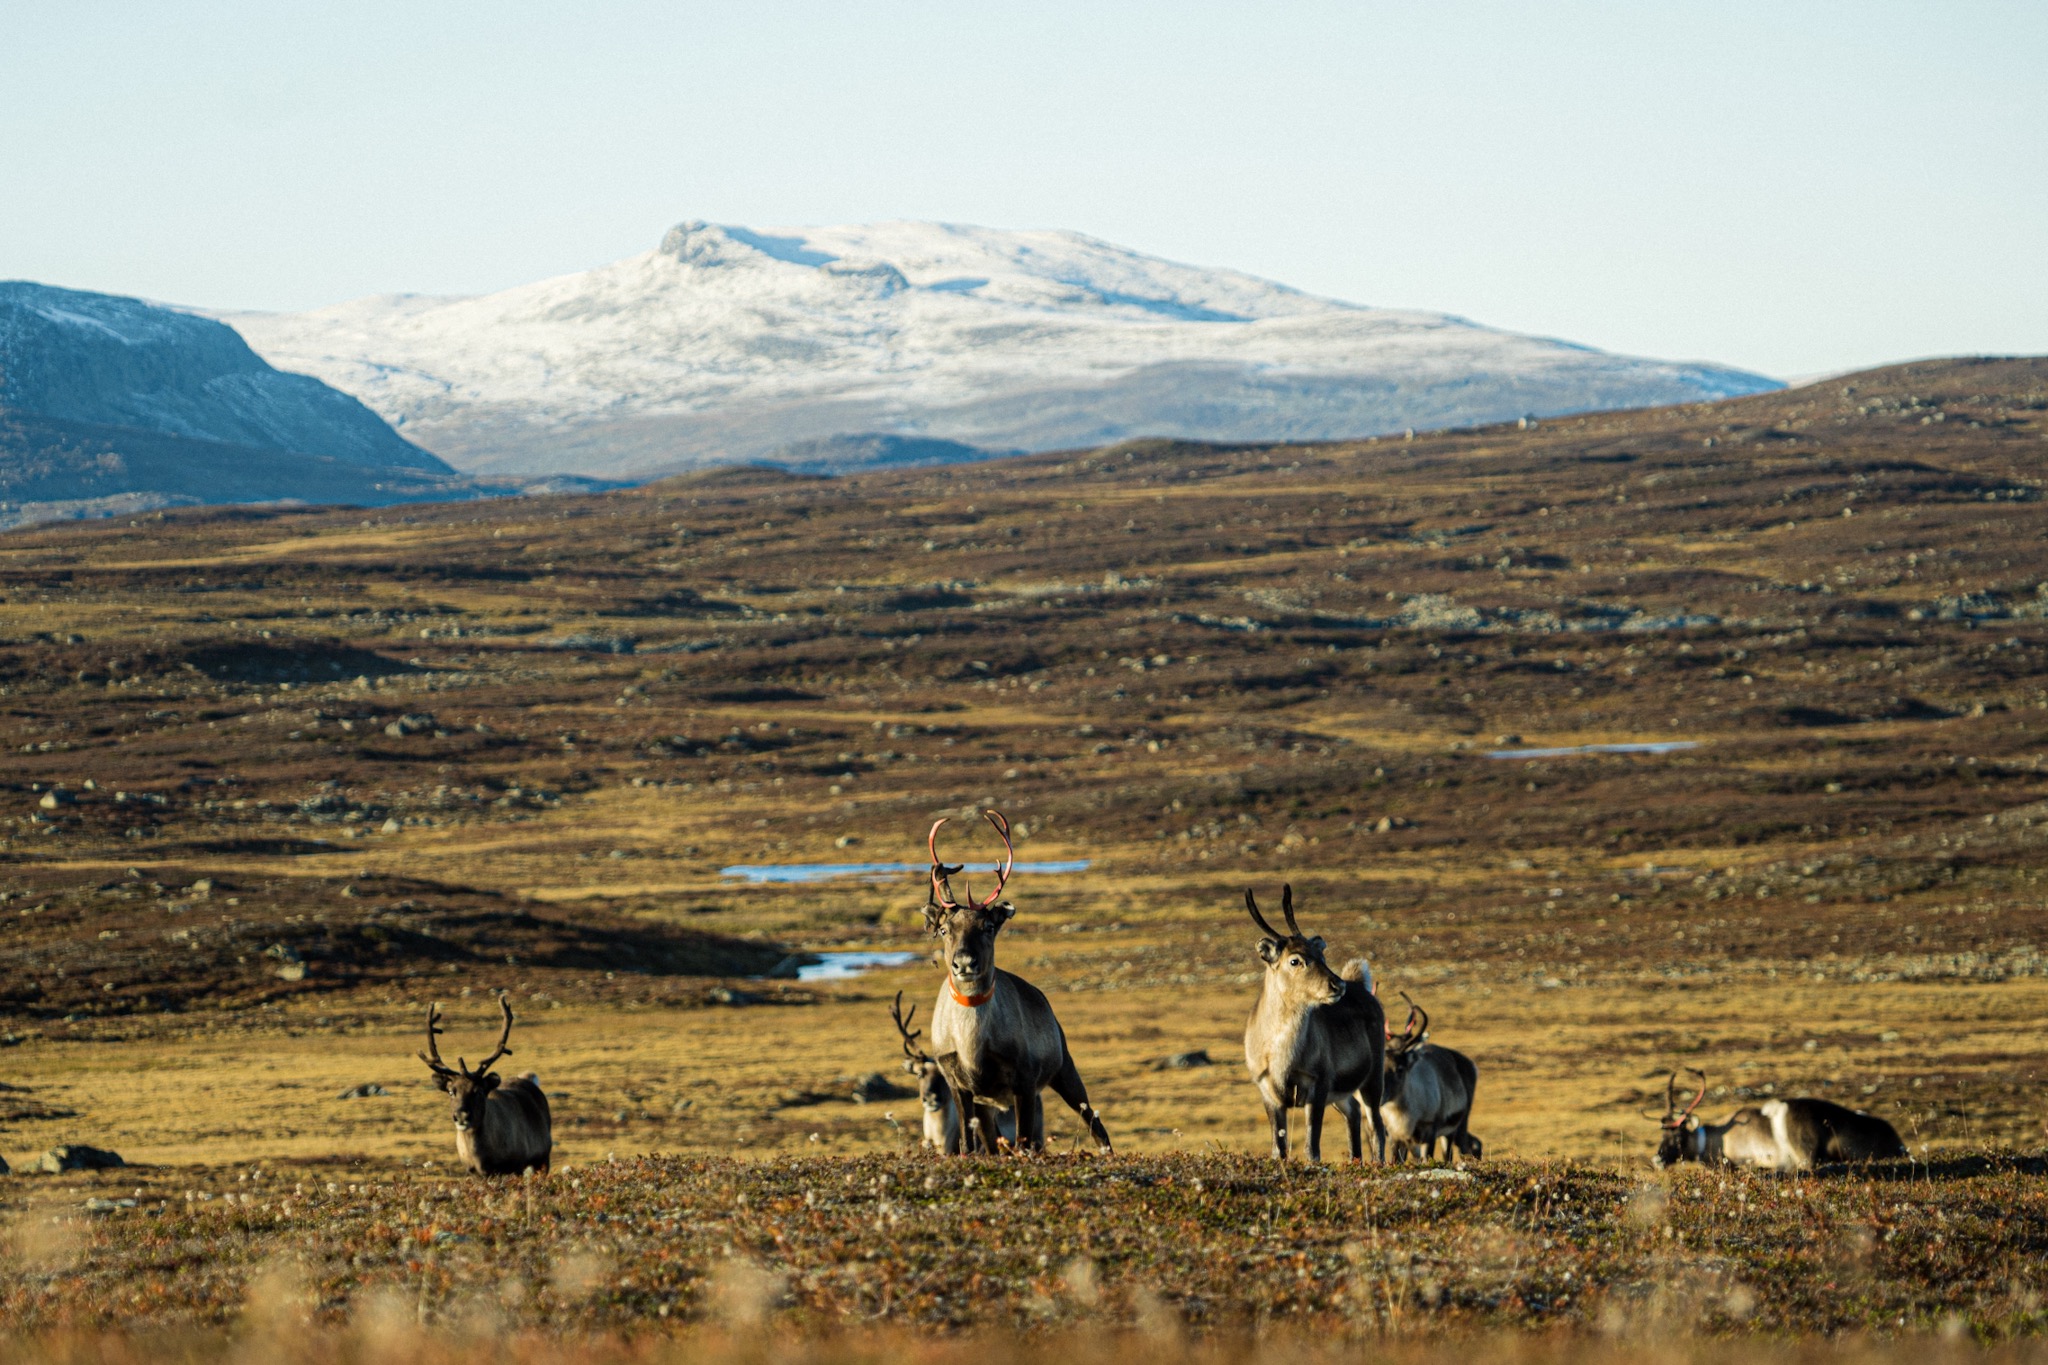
(999, 1042)
(1429, 1093)
(499, 1129)
(934, 1096)
(1314, 1037)
(1777, 1135)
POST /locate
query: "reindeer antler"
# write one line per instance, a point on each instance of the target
(910, 1050)
(942, 891)
(1252, 905)
(1287, 910)
(432, 1056)
(1411, 1036)
(504, 1039)
(1696, 1098)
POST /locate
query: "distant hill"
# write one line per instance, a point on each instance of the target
(875, 450)
(110, 406)
(724, 345)
(114, 361)
(54, 470)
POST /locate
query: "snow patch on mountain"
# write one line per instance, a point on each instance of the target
(728, 343)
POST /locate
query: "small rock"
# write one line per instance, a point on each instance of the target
(1184, 1061)
(107, 1205)
(876, 1086)
(367, 1090)
(55, 797)
(726, 995)
(846, 841)
(202, 887)
(391, 826)
(78, 1157)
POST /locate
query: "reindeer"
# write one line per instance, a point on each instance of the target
(499, 1130)
(998, 1040)
(1314, 1037)
(934, 1096)
(1429, 1092)
(1777, 1135)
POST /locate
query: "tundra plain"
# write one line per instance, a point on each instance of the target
(275, 779)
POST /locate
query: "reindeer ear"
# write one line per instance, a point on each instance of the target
(1269, 949)
(1003, 912)
(490, 1083)
(1317, 944)
(440, 1083)
(934, 916)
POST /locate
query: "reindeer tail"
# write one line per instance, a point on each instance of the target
(1357, 969)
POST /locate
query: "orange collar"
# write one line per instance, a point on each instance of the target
(969, 1001)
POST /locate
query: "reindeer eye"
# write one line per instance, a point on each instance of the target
(1294, 962)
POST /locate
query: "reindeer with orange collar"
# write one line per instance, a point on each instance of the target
(993, 1033)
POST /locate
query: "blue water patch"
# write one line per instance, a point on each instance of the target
(845, 966)
(1659, 746)
(822, 872)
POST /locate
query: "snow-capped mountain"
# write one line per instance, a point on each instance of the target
(107, 360)
(725, 344)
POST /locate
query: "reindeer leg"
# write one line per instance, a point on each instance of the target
(987, 1130)
(1277, 1116)
(1067, 1085)
(1317, 1099)
(1374, 1093)
(1030, 1112)
(1354, 1121)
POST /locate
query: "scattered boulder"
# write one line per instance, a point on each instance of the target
(419, 723)
(787, 969)
(876, 1086)
(597, 644)
(367, 1090)
(55, 797)
(78, 1157)
(726, 995)
(1184, 1061)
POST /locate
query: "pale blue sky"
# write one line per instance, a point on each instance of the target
(1791, 187)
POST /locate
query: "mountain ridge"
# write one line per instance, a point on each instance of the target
(108, 360)
(725, 343)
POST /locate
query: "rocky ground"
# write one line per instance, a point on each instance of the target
(270, 781)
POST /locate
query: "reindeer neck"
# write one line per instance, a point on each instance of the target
(1283, 1025)
(973, 1002)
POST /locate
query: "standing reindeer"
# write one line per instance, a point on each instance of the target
(499, 1129)
(1314, 1036)
(1429, 1092)
(1777, 1135)
(998, 1041)
(934, 1096)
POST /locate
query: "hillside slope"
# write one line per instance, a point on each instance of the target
(53, 470)
(112, 361)
(724, 344)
